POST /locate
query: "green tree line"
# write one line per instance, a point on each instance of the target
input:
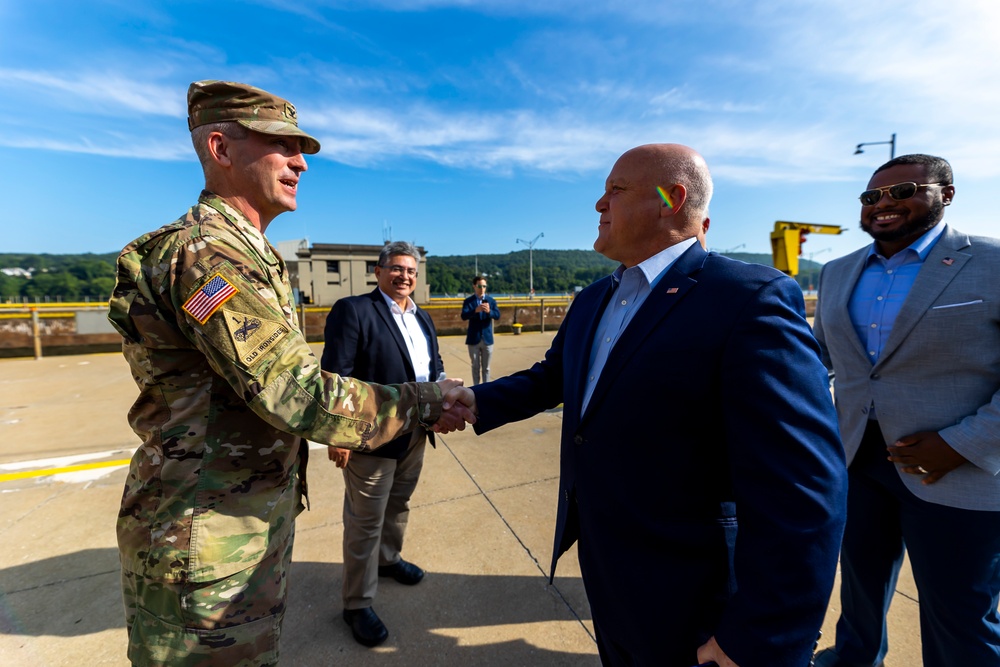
(58, 277)
(92, 276)
(555, 271)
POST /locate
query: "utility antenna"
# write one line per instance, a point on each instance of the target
(386, 232)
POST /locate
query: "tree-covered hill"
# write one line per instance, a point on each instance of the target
(62, 277)
(555, 271)
(92, 276)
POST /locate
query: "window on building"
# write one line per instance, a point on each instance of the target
(370, 266)
(333, 266)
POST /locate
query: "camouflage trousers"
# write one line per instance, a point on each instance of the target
(235, 621)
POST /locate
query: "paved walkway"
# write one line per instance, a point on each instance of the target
(481, 527)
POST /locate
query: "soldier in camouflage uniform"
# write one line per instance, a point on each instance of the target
(228, 389)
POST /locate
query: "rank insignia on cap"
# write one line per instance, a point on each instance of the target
(207, 300)
(947, 261)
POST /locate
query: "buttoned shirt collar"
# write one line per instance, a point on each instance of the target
(654, 266)
(922, 246)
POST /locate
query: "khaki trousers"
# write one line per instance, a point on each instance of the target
(376, 509)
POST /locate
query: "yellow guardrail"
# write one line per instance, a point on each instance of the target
(23, 311)
(48, 304)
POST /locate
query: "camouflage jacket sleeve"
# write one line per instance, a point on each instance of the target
(227, 305)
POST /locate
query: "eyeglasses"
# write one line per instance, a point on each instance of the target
(898, 192)
(396, 268)
(480, 286)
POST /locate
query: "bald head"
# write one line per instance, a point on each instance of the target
(656, 195)
(668, 164)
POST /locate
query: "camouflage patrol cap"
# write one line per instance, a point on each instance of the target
(216, 101)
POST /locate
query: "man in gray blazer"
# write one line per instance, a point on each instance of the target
(910, 330)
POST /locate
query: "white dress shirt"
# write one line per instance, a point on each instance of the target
(417, 345)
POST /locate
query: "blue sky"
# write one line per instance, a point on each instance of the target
(464, 125)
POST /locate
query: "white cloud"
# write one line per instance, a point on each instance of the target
(681, 99)
(910, 62)
(817, 79)
(143, 150)
(109, 92)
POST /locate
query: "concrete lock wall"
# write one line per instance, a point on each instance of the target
(531, 314)
(53, 329)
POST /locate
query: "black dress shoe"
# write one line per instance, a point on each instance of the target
(403, 572)
(367, 628)
(829, 658)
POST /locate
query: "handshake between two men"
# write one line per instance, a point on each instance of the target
(458, 407)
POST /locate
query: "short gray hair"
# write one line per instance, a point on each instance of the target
(199, 137)
(398, 248)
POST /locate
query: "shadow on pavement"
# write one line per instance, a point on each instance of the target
(448, 619)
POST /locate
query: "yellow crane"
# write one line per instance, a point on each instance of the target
(787, 239)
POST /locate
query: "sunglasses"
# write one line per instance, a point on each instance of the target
(898, 192)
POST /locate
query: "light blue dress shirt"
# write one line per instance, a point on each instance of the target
(631, 287)
(881, 290)
(883, 287)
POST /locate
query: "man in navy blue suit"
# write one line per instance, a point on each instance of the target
(701, 471)
(480, 310)
(380, 337)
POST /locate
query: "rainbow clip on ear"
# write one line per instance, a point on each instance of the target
(665, 197)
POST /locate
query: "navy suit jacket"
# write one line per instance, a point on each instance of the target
(480, 324)
(706, 482)
(361, 340)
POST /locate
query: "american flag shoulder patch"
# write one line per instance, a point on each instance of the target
(209, 298)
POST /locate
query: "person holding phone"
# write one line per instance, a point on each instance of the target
(480, 310)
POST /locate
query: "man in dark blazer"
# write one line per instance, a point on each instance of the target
(380, 337)
(910, 328)
(701, 472)
(480, 310)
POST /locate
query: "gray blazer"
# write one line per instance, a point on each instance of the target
(939, 371)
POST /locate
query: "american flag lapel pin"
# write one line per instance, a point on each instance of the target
(672, 290)
(947, 261)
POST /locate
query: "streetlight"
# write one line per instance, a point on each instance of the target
(531, 263)
(818, 252)
(891, 142)
(812, 271)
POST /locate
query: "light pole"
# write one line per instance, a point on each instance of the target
(891, 142)
(531, 263)
(818, 252)
(812, 272)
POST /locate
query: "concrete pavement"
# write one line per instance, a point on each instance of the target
(481, 527)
